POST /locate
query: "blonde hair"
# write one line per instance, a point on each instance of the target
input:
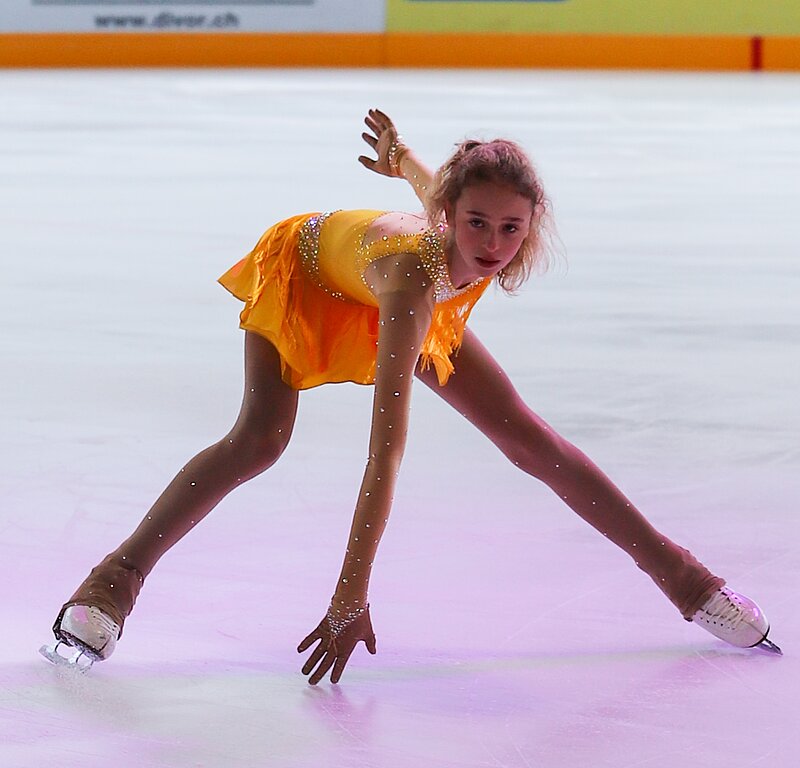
(503, 162)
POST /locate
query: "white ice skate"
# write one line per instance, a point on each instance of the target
(89, 635)
(736, 619)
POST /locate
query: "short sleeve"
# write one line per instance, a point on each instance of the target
(387, 245)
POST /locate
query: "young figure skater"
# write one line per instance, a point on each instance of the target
(379, 297)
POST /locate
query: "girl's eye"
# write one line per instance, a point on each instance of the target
(511, 228)
(475, 223)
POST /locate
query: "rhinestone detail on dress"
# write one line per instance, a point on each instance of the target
(308, 245)
(431, 254)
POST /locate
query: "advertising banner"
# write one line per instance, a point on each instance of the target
(192, 15)
(608, 17)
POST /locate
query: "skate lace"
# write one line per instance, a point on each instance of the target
(105, 621)
(722, 608)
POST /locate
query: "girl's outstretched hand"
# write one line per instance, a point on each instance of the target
(336, 644)
(384, 140)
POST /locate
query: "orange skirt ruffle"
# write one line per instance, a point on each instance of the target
(320, 339)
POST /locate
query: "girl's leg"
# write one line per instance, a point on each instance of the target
(255, 442)
(482, 392)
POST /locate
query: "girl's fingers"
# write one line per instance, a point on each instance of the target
(371, 140)
(306, 642)
(319, 652)
(367, 162)
(384, 118)
(369, 641)
(341, 663)
(323, 668)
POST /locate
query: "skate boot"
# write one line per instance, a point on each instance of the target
(735, 619)
(90, 622)
(87, 632)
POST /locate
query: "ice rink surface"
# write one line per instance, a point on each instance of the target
(510, 634)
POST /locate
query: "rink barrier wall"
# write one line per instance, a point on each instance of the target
(399, 49)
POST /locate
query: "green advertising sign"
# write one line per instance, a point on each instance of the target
(634, 17)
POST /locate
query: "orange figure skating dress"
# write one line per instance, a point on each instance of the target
(304, 291)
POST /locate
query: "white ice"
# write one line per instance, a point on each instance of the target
(510, 634)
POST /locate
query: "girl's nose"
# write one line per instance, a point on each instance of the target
(492, 241)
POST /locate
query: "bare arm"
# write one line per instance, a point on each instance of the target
(405, 312)
(404, 294)
(394, 158)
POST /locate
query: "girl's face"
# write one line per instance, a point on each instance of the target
(488, 223)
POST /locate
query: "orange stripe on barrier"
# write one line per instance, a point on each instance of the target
(394, 49)
(191, 50)
(580, 51)
(781, 53)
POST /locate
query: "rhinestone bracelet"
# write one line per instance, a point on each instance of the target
(340, 623)
(396, 152)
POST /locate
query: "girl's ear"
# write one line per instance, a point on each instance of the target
(449, 213)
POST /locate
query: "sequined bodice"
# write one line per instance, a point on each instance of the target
(428, 244)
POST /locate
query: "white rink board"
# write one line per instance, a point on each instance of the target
(198, 16)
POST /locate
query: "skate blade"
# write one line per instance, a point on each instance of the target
(768, 645)
(77, 659)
